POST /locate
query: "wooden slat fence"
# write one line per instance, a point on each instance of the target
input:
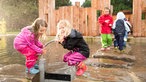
(85, 19)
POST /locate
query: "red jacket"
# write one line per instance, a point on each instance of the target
(105, 26)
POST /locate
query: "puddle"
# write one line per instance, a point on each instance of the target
(100, 69)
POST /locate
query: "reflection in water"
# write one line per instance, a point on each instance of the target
(55, 52)
(2, 48)
(8, 55)
(3, 43)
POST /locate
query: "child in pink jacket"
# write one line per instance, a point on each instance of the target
(27, 43)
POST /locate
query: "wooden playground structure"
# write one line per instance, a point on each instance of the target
(85, 19)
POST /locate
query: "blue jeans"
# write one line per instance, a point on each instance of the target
(119, 41)
(125, 38)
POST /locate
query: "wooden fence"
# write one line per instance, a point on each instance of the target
(82, 19)
(85, 19)
(139, 26)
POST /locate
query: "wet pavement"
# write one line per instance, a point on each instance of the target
(103, 66)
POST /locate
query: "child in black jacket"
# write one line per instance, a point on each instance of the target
(72, 40)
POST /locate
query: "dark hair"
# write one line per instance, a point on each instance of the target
(37, 24)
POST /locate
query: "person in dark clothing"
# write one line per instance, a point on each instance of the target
(72, 40)
(119, 28)
(127, 33)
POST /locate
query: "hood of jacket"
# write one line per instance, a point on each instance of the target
(74, 34)
(120, 15)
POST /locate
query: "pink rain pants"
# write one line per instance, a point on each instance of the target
(30, 55)
(73, 58)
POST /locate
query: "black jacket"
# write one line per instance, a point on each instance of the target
(75, 42)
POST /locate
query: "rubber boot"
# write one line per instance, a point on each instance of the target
(81, 68)
(36, 66)
(32, 70)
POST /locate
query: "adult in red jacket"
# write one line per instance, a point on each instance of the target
(106, 22)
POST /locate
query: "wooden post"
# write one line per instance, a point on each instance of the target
(72, 14)
(94, 22)
(77, 4)
(41, 8)
(94, 4)
(143, 27)
(137, 13)
(144, 20)
(89, 21)
(76, 17)
(82, 20)
(86, 21)
(144, 5)
(100, 4)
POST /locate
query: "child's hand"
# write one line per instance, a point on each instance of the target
(44, 51)
(61, 38)
(107, 21)
(110, 24)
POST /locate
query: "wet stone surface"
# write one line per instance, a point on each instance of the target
(103, 66)
(106, 75)
(109, 66)
(13, 73)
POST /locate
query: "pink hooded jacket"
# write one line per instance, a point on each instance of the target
(27, 39)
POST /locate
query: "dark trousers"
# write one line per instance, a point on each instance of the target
(119, 41)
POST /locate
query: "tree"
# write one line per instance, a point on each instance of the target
(59, 3)
(18, 13)
(87, 3)
(120, 5)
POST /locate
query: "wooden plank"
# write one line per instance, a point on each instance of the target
(86, 21)
(82, 21)
(94, 4)
(51, 17)
(61, 11)
(144, 28)
(143, 3)
(101, 4)
(98, 7)
(41, 8)
(137, 12)
(45, 6)
(76, 17)
(94, 30)
(71, 15)
(89, 21)
(77, 4)
(67, 13)
(53, 24)
(56, 17)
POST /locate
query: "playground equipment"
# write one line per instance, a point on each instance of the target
(54, 76)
